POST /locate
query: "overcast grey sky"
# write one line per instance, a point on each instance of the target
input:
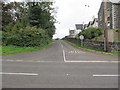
(71, 12)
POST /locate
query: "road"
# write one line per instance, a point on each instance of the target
(60, 66)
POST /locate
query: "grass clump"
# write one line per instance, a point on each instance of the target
(6, 50)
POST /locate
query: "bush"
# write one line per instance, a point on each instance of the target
(27, 37)
(91, 32)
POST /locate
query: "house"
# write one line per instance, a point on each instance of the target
(85, 26)
(94, 22)
(116, 15)
(73, 33)
(89, 24)
(113, 15)
(79, 26)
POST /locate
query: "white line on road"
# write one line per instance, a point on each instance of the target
(27, 74)
(107, 75)
(19, 60)
(8, 60)
(67, 61)
(64, 58)
(14, 60)
(84, 61)
(61, 44)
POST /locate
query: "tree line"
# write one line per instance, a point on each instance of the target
(27, 23)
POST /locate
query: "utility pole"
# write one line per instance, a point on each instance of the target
(106, 27)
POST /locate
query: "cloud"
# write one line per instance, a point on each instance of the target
(61, 33)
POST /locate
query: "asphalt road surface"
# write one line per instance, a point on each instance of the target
(60, 66)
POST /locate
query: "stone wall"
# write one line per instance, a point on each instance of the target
(112, 46)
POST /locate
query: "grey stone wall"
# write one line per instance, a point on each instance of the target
(112, 46)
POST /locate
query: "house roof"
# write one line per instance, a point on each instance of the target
(85, 25)
(79, 26)
(95, 20)
(90, 22)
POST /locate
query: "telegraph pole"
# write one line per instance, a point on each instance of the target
(106, 27)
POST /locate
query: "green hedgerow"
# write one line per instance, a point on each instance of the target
(27, 37)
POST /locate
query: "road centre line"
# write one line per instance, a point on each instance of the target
(8, 60)
(26, 74)
(61, 44)
(105, 75)
(64, 58)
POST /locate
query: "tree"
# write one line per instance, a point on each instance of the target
(41, 16)
(6, 14)
(28, 24)
(91, 32)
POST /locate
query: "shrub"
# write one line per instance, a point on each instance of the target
(27, 37)
(91, 32)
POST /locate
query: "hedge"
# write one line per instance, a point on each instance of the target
(27, 37)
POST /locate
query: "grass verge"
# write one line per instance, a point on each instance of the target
(90, 49)
(7, 50)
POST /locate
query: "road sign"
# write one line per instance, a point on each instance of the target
(81, 37)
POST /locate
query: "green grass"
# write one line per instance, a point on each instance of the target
(90, 49)
(6, 50)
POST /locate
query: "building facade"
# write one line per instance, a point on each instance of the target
(113, 15)
(78, 29)
(116, 15)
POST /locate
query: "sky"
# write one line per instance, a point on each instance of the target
(71, 12)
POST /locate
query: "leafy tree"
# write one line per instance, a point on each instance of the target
(28, 24)
(6, 14)
(41, 16)
(91, 32)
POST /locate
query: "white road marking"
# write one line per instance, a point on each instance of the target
(67, 74)
(68, 61)
(27, 74)
(93, 61)
(61, 45)
(64, 58)
(13, 60)
(105, 75)
(19, 60)
(22, 60)
(75, 52)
